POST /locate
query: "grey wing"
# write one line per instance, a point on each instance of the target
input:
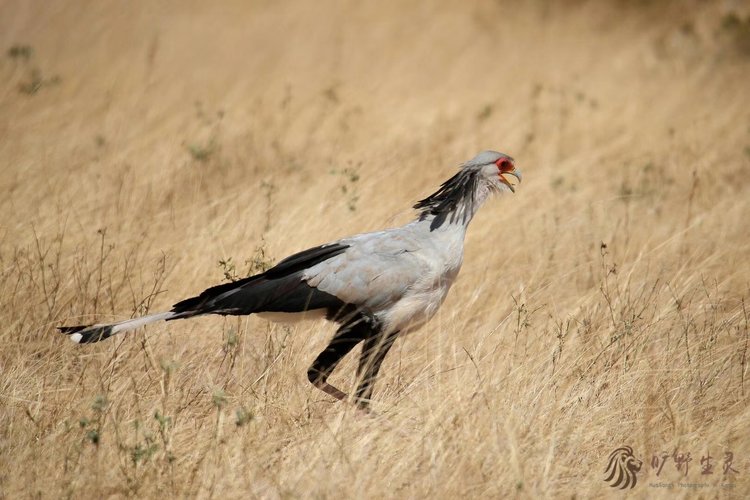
(374, 272)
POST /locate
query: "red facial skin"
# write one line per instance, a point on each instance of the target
(504, 166)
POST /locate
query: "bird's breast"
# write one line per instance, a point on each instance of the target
(417, 307)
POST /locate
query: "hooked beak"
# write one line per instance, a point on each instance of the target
(515, 173)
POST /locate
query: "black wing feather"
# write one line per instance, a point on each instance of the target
(305, 259)
(280, 289)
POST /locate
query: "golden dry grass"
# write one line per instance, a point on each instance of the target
(158, 138)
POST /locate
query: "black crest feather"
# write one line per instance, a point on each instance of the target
(459, 189)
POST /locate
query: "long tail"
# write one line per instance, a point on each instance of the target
(84, 334)
(280, 289)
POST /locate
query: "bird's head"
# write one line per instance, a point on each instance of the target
(493, 168)
(460, 196)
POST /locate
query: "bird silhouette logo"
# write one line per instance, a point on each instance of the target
(622, 469)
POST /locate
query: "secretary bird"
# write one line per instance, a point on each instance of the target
(375, 286)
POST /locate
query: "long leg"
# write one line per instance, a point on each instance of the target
(347, 337)
(374, 350)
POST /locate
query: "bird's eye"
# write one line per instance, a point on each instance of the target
(504, 165)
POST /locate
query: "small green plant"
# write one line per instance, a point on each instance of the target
(168, 366)
(93, 426)
(269, 189)
(348, 186)
(20, 51)
(205, 150)
(331, 93)
(144, 448)
(24, 54)
(164, 421)
(737, 29)
(485, 112)
(143, 452)
(228, 269)
(219, 398)
(231, 340)
(93, 436)
(42, 82)
(260, 262)
(242, 416)
(202, 152)
(523, 319)
(100, 403)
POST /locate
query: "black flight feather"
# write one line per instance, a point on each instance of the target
(280, 289)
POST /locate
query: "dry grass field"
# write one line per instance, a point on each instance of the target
(149, 150)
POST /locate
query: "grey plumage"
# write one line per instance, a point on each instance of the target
(374, 285)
